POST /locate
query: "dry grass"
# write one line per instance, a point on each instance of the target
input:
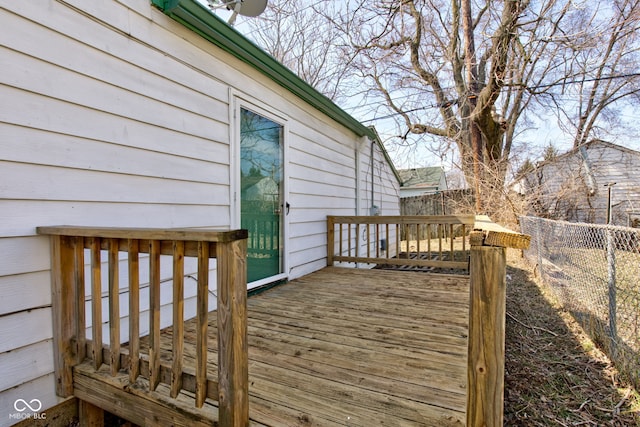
(555, 375)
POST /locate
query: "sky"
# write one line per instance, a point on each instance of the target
(543, 132)
(403, 157)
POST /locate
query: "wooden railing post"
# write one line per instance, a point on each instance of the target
(63, 289)
(487, 319)
(233, 367)
(331, 242)
(486, 349)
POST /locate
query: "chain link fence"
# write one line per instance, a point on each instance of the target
(594, 271)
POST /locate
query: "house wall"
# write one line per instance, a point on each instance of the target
(381, 198)
(614, 164)
(386, 188)
(113, 114)
(573, 187)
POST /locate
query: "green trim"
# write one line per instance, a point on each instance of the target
(201, 20)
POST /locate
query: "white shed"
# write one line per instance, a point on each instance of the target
(124, 113)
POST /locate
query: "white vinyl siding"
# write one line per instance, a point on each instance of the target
(102, 129)
(386, 188)
(115, 115)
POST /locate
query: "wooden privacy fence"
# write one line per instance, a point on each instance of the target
(429, 241)
(73, 247)
(487, 289)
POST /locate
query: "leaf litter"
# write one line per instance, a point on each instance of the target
(554, 374)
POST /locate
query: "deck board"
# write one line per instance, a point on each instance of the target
(353, 347)
(386, 348)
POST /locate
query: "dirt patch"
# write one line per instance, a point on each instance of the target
(554, 374)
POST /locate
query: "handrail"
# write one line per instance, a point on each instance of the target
(487, 295)
(496, 235)
(378, 240)
(70, 245)
(487, 312)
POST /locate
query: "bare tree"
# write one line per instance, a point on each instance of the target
(601, 75)
(472, 74)
(459, 70)
(305, 41)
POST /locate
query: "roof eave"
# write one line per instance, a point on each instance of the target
(199, 19)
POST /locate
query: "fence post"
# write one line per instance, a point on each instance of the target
(611, 280)
(486, 349)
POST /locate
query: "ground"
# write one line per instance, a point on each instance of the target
(555, 375)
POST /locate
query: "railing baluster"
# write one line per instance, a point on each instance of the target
(398, 238)
(154, 314)
(81, 317)
(368, 239)
(464, 240)
(429, 241)
(440, 232)
(388, 241)
(451, 238)
(202, 323)
(134, 309)
(114, 307)
(348, 239)
(357, 242)
(418, 240)
(96, 303)
(178, 317)
(407, 235)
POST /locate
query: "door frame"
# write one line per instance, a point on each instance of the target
(238, 101)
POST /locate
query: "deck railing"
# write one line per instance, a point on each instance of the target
(415, 241)
(487, 318)
(487, 295)
(69, 248)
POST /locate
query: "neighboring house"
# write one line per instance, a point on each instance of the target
(124, 113)
(574, 185)
(260, 189)
(422, 181)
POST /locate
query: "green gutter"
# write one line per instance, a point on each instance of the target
(201, 20)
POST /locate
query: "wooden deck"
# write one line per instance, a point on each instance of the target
(344, 347)
(337, 347)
